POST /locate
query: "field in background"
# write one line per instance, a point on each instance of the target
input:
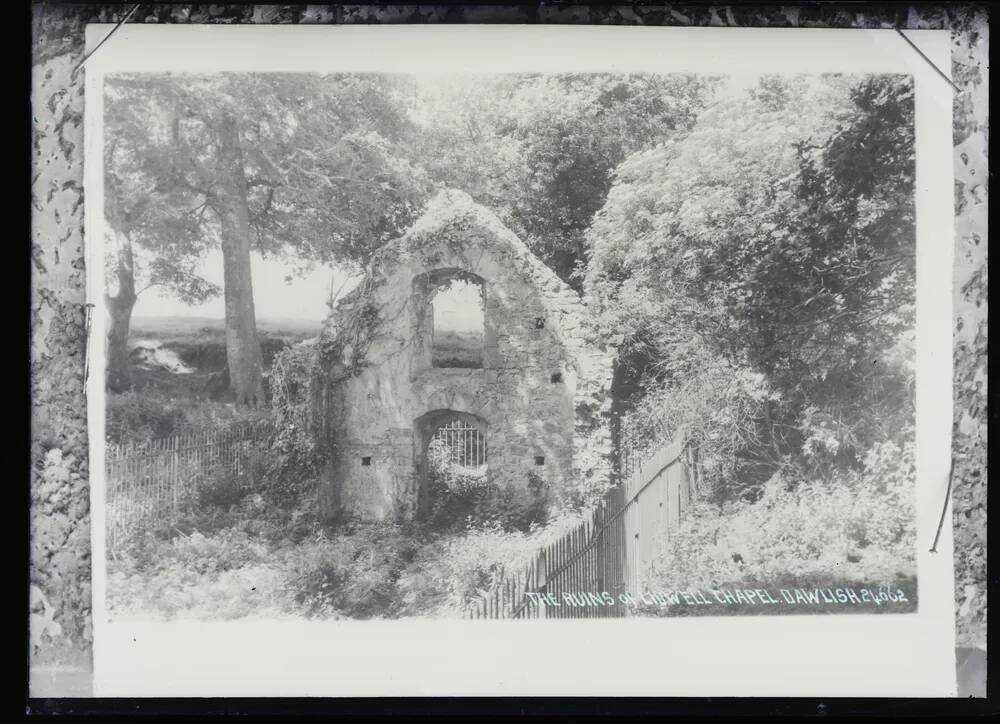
(457, 349)
(180, 328)
(179, 380)
(200, 344)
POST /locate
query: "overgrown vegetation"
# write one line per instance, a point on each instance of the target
(468, 500)
(261, 554)
(751, 250)
(139, 416)
(162, 402)
(856, 528)
(237, 552)
(760, 271)
(299, 447)
(784, 260)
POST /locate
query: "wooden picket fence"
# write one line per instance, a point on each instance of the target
(609, 552)
(150, 483)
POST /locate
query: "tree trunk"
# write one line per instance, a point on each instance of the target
(243, 357)
(118, 375)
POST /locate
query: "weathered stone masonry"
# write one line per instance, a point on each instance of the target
(540, 397)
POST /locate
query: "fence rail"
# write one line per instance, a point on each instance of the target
(151, 482)
(609, 552)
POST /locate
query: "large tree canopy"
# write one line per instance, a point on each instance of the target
(324, 156)
(770, 253)
(302, 165)
(540, 149)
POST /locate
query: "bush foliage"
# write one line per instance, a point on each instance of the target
(760, 273)
(860, 529)
(256, 558)
(138, 416)
(469, 500)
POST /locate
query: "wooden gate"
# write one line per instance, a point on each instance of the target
(584, 573)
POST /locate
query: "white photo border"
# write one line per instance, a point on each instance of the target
(809, 655)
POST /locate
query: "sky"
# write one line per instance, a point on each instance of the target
(459, 308)
(303, 297)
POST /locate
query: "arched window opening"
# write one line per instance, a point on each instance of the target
(458, 328)
(456, 454)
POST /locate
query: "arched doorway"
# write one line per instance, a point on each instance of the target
(452, 454)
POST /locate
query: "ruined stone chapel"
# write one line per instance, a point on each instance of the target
(459, 341)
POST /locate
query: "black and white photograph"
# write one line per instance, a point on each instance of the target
(512, 345)
(399, 355)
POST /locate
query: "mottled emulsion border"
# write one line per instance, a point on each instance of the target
(60, 530)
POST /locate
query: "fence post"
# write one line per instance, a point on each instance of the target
(149, 481)
(175, 474)
(608, 551)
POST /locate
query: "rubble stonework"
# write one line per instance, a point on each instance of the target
(384, 395)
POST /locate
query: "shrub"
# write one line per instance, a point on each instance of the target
(140, 416)
(516, 508)
(255, 558)
(297, 452)
(469, 501)
(224, 575)
(222, 487)
(137, 417)
(450, 572)
(352, 574)
(214, 563)
(745, 429)
(859, 527)
(720, 407)
(178, 592)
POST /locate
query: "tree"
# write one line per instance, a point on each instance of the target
(540, 149)
(301, 165)
(154, 241)
(770, 249)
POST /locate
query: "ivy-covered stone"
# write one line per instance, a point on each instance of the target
(540, 392)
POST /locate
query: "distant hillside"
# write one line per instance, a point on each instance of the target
(182, 357)
(164, 328)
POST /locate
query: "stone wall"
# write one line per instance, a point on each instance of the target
(534, 329)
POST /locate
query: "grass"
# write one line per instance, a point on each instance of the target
(255, 559)
(181, 328)
(250, 556)
(163, 403)
(457, 349)
(201, 344)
